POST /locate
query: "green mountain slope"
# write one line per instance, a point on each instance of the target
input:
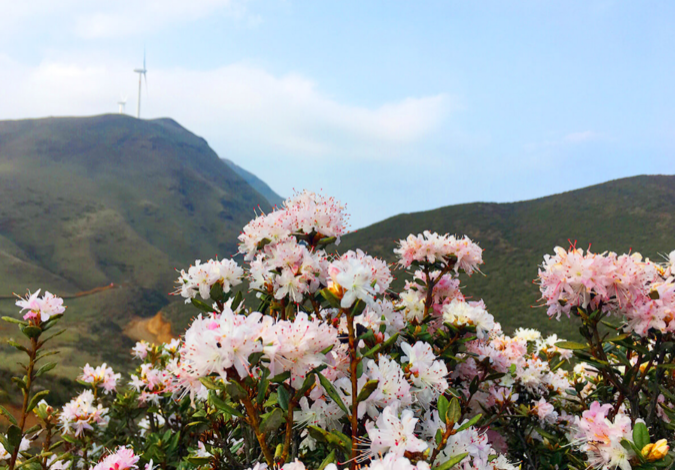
(110, 199)
(256, 183)
(633, 213)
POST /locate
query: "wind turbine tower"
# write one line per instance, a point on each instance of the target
(141, 73)
(121, 103)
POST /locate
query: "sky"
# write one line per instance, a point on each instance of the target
(390, 106)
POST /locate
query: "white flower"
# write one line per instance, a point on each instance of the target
(459, 313)
(528, 334)
(393, 434)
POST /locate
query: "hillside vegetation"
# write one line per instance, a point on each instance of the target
(634, 213)
(87, 202)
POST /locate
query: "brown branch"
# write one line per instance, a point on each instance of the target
(26, 397)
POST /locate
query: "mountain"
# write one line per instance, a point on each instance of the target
(629, 214)
(256, 183)
(87, 202)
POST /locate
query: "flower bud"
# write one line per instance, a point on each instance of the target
(655, 451)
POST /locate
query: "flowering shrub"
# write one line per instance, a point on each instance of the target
(334, 369)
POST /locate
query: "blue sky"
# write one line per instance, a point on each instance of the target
(389, 106)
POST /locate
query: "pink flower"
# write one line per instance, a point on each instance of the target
(101, 376)
(43, 307)
(432, 247)
(123, 459)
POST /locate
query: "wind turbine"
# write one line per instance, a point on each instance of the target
(141, 73)
(121, 103)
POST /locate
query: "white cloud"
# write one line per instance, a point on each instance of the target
(105, 18)
(245, 108)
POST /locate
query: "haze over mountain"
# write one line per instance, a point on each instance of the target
(633, 213)
(111, 199)
(256, 183)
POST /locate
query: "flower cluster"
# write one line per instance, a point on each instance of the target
(433, 248)
(101, 376)
(41, 308)
(200, 278)
(289, 269)
(307, 213)
(122, 459)
(638, 289)
(82, 413)
(602, 438)
(356, 275)
(336, 369)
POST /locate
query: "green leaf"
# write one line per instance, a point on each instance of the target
(19, 382)
(222, 406)
(54, 335)
(469, 423)
(454, 412)
(367, 390)
(17, 346)
(235, 390)
(51, 322)
(216, 292)
(628, 445)
(254, 358)
(272, 420)
(358, 307)
(199, 461)
(332, 299)
(617, 338)
(14, 436)
(15, 320)
(45, 368)
(238, 299)
(442, 406)
(31, 331)
(45, 354)
(33, 429)
(640, 435)
(8, 415)
(332, 393)
(570, 345)
(36, 398)
(203, 306)
(545, 434)
(283, 397)
(335, 438)
(330, 458)
(208, 383)
(263, 385)
(374, 350)
(306, 385)
(322, 243)
(448, 464)
(390, 341)
(280, 378)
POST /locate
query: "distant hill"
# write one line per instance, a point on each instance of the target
(634, 213)
(111, 199)
(256, 183)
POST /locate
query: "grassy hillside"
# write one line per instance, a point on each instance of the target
(633, 213)
(110, 199)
